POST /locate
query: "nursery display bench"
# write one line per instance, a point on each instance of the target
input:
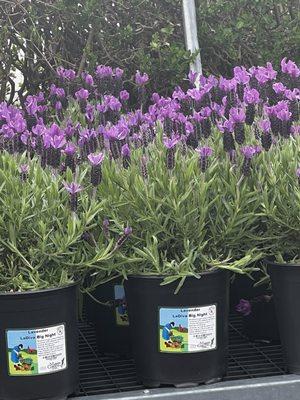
(255, 372)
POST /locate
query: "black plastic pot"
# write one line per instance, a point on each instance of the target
(193, 349)
(111, 320)
(38, 344)
(285, 279)
(243, 287)
(261, 324)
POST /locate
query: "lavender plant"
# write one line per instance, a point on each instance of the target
(45, 224)
(191, 214)
(281, 203)
(188, 173)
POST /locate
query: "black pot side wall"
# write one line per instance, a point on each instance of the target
(50, 309)
(146, 297)
(285, 281)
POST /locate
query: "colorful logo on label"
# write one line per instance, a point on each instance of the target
(36, 351)
(121, 306)
(188, 329)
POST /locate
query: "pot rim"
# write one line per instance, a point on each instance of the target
(208, 272)
(271, 264)
(39, 291)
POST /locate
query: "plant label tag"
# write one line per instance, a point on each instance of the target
(188, 329)
(121, 306)
(36, 351)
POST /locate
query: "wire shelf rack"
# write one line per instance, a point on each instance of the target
(100, 375)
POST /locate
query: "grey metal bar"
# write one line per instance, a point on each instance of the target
(190, 32)
(274, 388)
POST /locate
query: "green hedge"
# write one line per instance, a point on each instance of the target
(38, 36)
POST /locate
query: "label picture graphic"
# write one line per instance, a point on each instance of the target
(36, 351)
(188, 329)
(121, 306)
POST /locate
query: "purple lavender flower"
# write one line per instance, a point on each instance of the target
(96, 159)
(284, 114)
(248, 151)
(66, 74)
(82, 94)
(241, 75)
(295, 130)
(290, 68)
(141, 79)
(124, 95)
(103, 71)
(265, 74)
(89, 114)
(244, 307)
(171, 142)
(128, 230)
(24, 168)
(57, 91)
(88, 79)
(112, 103)
(227, 85)
(70, 74)
(265, 125)
(31, 105)
(126, 153)
(285, 122)
(228, 141)
(96, 172)
(58, 106)
(251, 96)
(58, 141)
(204, 153)
(237, 115)
(70, 151)
(266, 138)
(278, 87)
(73, 189)
(60, 71)
(123, 238)
(258, 149)
(125, 150)
(118, 73)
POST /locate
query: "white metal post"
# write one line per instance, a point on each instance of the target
(190, 33)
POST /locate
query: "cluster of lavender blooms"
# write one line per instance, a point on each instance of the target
(251, 112)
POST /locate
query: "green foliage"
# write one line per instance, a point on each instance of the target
(41, 241)
(281, 202)
(247, 32)
(184, 221)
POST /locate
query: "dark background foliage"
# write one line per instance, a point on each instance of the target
(37, 36)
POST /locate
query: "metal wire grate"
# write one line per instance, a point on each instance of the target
(103, 375)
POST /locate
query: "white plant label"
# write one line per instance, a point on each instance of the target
(188, 329)
(36, 351)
